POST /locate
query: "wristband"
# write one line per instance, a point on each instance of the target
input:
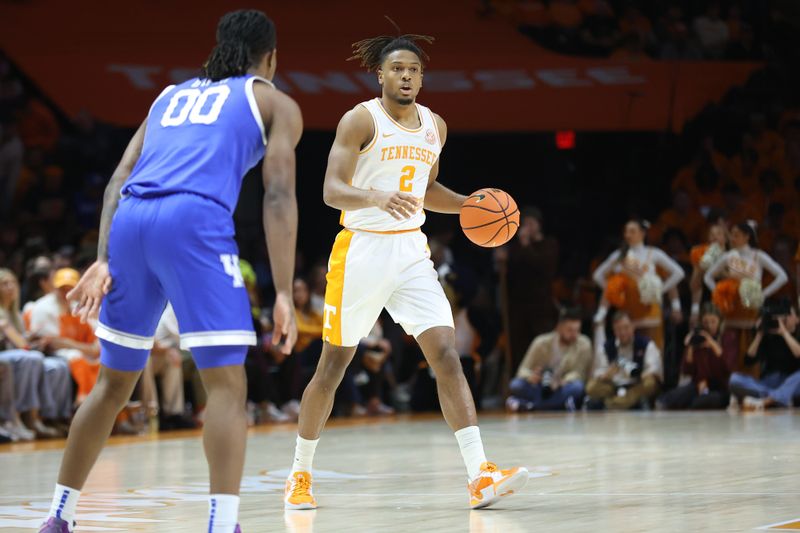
(676, 305)
(695, 308)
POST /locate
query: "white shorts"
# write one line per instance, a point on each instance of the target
(370, 271)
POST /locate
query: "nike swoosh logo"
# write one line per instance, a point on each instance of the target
(388, 134)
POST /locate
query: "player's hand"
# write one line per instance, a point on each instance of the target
(89, 292)
(285, 329)
(401, 205)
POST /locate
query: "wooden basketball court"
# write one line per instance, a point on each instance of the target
(624, 472)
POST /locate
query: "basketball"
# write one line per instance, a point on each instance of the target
(489, 217)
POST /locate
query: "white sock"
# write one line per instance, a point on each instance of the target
(469, 440)
(304, 454)
(65, 500)
(223, 513)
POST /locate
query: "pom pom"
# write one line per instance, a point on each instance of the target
(726, 296)
(697, 253)
(617, 288)
(650, 289)
(711, 256)
(750, 294)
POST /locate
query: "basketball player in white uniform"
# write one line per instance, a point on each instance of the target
(382, 170)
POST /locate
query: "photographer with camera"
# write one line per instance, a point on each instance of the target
(628, 369)
(707, 362)
(776, 348)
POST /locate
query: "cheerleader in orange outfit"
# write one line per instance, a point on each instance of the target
(703, 256)
(738, 293)
(631, 283)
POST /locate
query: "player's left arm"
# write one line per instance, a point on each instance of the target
(96, 281)
(439, 198)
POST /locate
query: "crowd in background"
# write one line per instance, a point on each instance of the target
(631, 31)
(690, 309)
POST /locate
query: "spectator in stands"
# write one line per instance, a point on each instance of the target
(745, 48)
(598, 33)
(627, 371)
(9, 418)
(66, 336)
(555, 369)
(634, 22)
(11, 156)
(373, 355)
(42, 384)
(682, 215)
(166, 363)
(741, 209)
(12, 429)
(529, 263)
(707, 364)
(776, 349)
(11, 90)
(768, 143)
(744, 263)
(675, 39)
(36, 172)
(38, 282)
(631, 48)
(317, 282)
(630, 281)
(566, 20)
(712, 31)
(38, 127)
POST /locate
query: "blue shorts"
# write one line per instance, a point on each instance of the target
(179, 248)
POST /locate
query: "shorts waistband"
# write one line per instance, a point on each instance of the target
(393, 232)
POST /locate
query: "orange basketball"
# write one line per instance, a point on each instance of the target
(489, 217)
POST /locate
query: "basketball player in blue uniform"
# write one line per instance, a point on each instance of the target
(166, 233)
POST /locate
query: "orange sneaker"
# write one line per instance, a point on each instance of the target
(493, 483)
(298, 494)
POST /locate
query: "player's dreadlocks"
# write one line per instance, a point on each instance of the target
(243, 37)
(371, 52)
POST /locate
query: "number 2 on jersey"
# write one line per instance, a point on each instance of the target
(194, 101)
(406, 178)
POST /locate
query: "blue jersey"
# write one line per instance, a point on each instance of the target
(201, 137)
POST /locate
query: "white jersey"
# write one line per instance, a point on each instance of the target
(396, 159)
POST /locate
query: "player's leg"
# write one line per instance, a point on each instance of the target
(128, 320)
(94, 421)
(199, 270)
(354, 297)
(458, 407)
(315, 409)
(317, 401)
(420, 306)
(224, 429)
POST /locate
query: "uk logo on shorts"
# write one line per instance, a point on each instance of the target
(231, 265)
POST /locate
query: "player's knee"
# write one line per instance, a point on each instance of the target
(330, 372)
(332, 365)
(115, 386)
(229, 382)
(445, 360)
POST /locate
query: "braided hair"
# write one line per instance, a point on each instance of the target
(371, 52)
(243, 37)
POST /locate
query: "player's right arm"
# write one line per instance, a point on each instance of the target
(356, 130)
(284, 124)
(96, 281)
